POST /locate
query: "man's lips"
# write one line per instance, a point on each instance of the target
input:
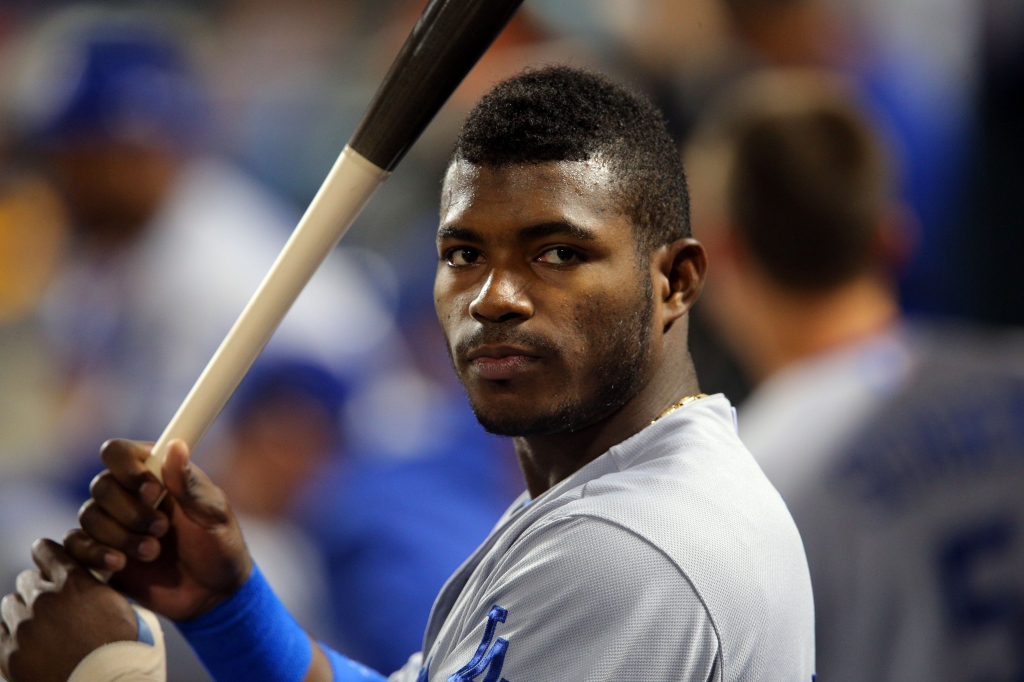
(497, 363)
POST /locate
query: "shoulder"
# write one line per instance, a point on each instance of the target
(705, 504)
(730, 537)
(708, 511)
(588, 547)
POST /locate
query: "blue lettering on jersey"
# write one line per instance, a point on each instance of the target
(491, 660)
(923, 440)
(977, 607)
(424, 673)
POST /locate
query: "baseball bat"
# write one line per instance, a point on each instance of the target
(446, 42)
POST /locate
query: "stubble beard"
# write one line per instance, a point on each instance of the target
(619, 359)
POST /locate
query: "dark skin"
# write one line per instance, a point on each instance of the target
(534, 280)
(538, 267)
(278, 448)
(49, 624)
(112, 188)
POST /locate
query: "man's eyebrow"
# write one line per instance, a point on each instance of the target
(555, 229)
(463, 234)
(527, 234)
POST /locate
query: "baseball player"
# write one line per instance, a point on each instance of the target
(648, 546)
(896, 446)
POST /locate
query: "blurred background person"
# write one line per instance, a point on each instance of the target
(285, 428)
(897, 446)
(168, 241)
(917, 64)
(169, 238)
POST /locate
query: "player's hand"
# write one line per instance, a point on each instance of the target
(59, 614)
(179, 560)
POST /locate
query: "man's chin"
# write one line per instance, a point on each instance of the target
(511, 420)
(508, 423)
(517, 429)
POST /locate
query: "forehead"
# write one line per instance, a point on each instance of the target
(517, 195)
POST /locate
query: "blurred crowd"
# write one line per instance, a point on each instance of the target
(857, 175)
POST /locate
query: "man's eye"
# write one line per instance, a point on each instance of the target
(560, 255)
(463, 257)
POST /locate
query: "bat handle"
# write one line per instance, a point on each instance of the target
(349, 185)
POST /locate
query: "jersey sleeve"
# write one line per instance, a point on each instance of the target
(581, 598)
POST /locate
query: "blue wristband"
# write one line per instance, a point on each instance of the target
(251, 637)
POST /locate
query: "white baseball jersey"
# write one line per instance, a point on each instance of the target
(902, 461)
(670, 557)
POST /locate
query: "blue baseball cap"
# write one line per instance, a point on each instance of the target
(112, 76)
(273, 378)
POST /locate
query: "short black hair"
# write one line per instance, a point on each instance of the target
(560, 113)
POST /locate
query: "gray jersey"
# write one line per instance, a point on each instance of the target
(901, 460)
(670, 557)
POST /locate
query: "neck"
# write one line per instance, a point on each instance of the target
(547, 460)
(797, 326)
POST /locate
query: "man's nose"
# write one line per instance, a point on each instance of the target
(502, 298)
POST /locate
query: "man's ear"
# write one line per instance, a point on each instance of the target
(678, 270)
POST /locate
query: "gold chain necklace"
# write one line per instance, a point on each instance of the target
(685, 401)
